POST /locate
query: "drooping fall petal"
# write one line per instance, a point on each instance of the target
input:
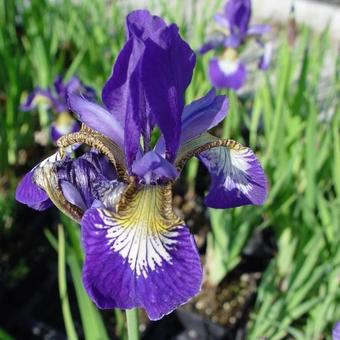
(141, 256)
(227, 73)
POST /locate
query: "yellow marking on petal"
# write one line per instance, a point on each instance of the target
(143, 228)
(64, 123)
(64, 118)
(221, 29)
(150, 205)
(229, 54)
(41, 100)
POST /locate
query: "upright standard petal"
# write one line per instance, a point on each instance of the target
(237, 177)
(116, 90)
(140, 256)
(227, 73)
(137, 115)
(167, 69)
(203, 114)
(142, 24)
(97, 118)
(73, 85)
(199, 117)
(124, 96)
(238, 13)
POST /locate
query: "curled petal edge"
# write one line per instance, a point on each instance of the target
(98, 141)
(46, 177)
(237, 177)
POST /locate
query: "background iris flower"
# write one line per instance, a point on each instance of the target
(336, 331)
(138, 253)
(56, 100)
(227, 70)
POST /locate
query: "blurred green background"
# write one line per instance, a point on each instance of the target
(290, 115)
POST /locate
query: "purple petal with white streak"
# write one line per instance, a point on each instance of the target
(237, 178)
(133, 266)
(227, 73)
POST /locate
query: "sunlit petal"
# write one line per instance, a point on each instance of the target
(142, 255)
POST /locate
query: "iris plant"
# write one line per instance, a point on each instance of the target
(227, 70)
(56, 100)
(138, 253)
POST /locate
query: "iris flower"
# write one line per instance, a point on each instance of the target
(56, 100)
(227, 70)
(336, 332)
(138, 252)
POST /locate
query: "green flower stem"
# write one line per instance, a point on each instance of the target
(65, 306)
(132, 323)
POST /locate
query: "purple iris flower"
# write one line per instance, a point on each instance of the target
(227, 70)
(56, 100)
(138, 253)
(336, 332)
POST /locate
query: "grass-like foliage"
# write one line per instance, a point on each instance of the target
(291, 117)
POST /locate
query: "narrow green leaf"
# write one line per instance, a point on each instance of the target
(65, 305)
